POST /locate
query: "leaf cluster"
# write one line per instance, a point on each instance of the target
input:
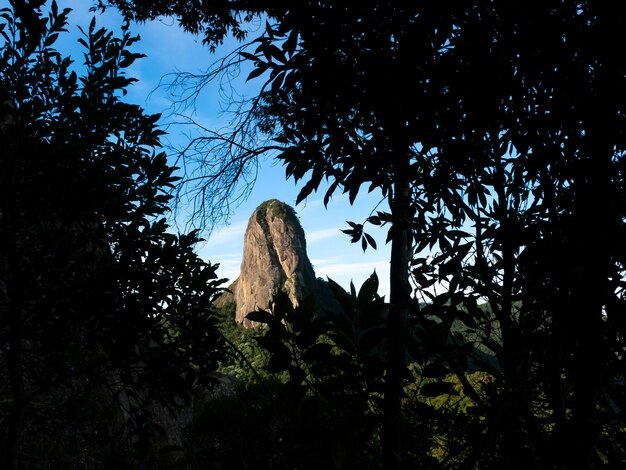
(334, 359)
(504, 124)
(97, 295)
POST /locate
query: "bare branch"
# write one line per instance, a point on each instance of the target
(218, 166)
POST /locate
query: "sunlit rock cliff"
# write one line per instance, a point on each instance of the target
(274, 258)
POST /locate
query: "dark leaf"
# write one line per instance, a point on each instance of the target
(259, 70)
(341, 295)
(368, 291)
(435, 389)
(260, 316)
(320, 352)
(248, 56)
(435, 371)
(370, 240)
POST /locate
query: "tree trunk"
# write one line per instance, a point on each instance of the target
(400, 292)
(11, 272)
(15, 304)
(16, 381)
(594, 221)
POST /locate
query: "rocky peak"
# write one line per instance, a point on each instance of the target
(274, 259)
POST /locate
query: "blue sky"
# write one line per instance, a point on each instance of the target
(168, 50)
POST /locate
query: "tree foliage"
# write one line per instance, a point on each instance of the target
(103, 311)
(496, 130)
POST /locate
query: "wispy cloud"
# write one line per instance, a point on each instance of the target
(330, 268)
(229, 263)
(228, 235)
(345, 272)
(230, 274)
(323, 234)
(317, 204)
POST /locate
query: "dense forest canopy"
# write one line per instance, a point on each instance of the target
(495, 128)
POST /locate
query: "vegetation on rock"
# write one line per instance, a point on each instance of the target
(278, 209)
(274, 259)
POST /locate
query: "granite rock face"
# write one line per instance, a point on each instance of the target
(274, 259)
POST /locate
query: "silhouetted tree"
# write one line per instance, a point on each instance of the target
(496, 130)
(103, 312)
